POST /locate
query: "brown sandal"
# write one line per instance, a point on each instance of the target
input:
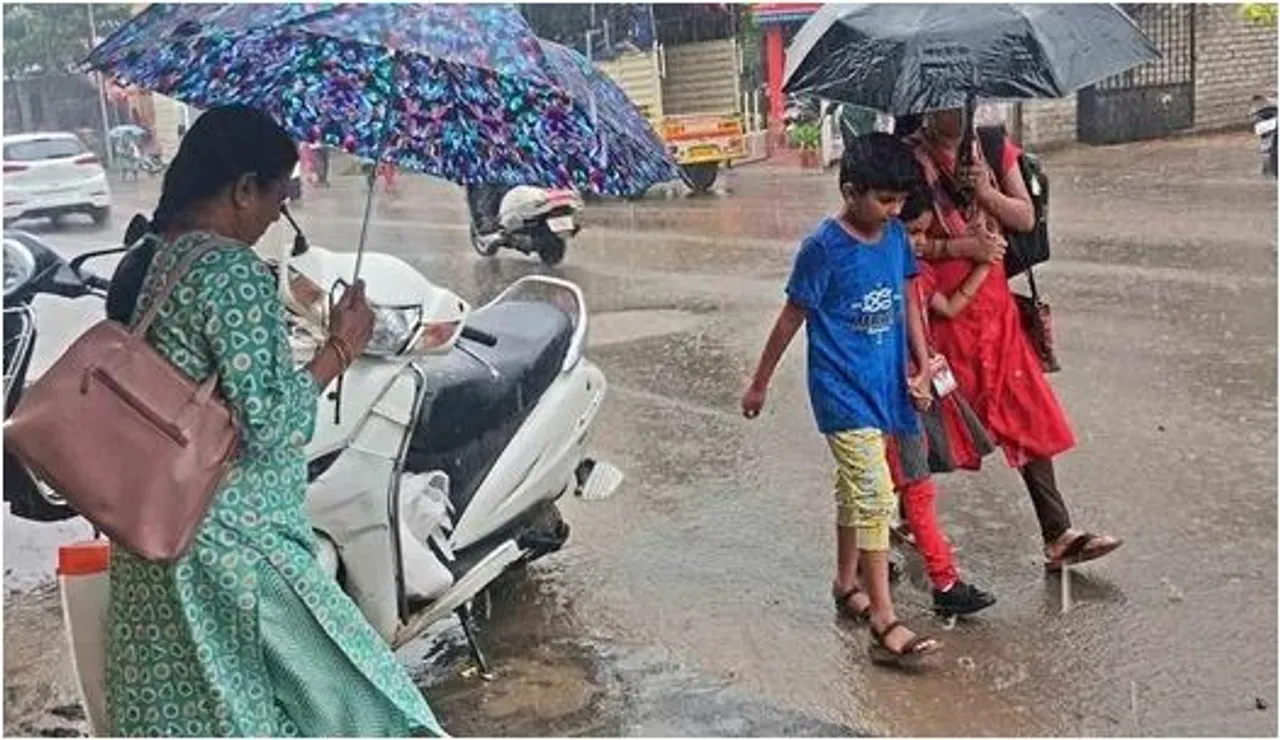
(1078, 551)
(844, 609)
(910, 654)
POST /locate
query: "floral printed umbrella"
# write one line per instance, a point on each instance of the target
(452, 90)
(629, 149)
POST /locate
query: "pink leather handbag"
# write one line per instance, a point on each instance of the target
(132, 443)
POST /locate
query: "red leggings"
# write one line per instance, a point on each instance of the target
(917, 502)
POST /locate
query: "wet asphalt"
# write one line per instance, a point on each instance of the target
(695, 601)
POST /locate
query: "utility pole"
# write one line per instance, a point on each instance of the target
(102, 94)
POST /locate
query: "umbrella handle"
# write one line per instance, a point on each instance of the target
(364, 224)
(965, 153)
(964, 157)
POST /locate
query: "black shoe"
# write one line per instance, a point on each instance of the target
(961, 599)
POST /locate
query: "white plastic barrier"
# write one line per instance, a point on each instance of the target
(86, 598)
(832, 141)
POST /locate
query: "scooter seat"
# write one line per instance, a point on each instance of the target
(470, 415)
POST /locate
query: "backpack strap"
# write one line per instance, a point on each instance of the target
(1031, 283)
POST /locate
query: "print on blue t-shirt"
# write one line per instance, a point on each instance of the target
(855, 317)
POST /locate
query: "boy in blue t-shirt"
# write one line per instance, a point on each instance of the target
(849, 288)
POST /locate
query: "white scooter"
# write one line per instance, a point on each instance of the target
(436, 460)
(528, 219)
(437, 463)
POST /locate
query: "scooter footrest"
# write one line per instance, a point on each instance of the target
(602, 482)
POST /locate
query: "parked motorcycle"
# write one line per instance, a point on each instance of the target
(1264, 125)
(30, 269)
(437, 459)
(528, 219)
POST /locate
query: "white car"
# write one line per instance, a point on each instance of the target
(52, 175)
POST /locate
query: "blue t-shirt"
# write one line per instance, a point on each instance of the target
(855, 313)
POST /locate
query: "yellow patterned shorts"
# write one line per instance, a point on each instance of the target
(865, 499)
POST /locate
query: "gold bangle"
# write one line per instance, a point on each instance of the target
(340, 346)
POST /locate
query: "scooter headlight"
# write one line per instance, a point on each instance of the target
(400, 330)
(394, 327)
(397, 330)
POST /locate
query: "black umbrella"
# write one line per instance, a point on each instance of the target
(916, 58)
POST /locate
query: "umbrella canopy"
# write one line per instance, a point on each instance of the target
(917, 58)
(628, 144)
(452, 90)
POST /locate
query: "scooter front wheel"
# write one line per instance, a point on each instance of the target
(545, 533)
(483, 247)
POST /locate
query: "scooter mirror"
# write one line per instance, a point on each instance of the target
(300, 244)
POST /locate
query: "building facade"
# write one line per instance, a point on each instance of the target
(779, 23)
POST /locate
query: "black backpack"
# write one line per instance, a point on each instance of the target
(1032, 248)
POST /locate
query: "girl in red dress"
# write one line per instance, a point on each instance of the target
(992, 361)
(952, 437)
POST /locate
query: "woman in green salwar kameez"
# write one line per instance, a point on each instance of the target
(245, 635)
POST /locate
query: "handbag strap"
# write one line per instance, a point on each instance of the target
(170, 283)
(1031, 281)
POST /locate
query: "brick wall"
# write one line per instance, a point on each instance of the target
(1235, 60)
(1049, 122)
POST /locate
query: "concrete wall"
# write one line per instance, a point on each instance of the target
(1049, 122)
(1235, 60)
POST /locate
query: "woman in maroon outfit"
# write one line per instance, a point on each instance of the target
(993, 363)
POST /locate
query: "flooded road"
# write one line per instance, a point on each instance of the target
(695, 601)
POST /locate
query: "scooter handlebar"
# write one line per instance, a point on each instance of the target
(95, 282)
(478, 336)
(91, 281)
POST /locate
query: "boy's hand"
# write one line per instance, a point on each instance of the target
(921, 393)
(753, 401)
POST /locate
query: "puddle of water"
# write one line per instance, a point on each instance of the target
(550, 683)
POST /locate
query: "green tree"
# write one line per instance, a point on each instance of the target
(1264, 14)
(54, 38)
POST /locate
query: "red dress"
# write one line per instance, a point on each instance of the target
(993, 363)
(965, 450)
